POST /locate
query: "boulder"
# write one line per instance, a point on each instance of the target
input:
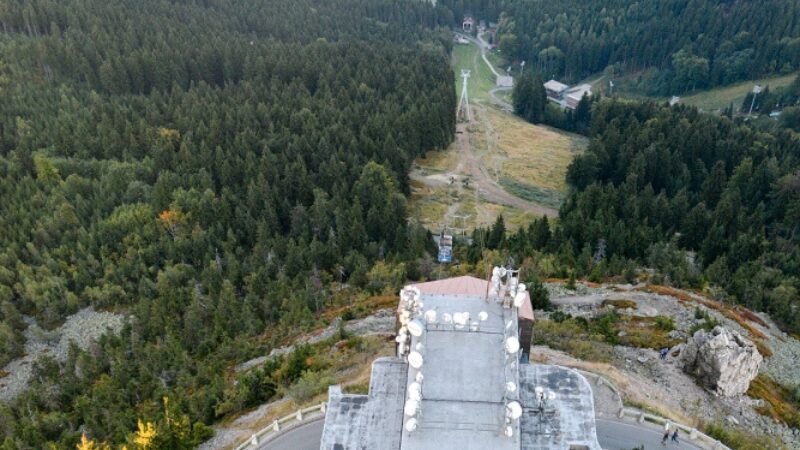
(723, 360)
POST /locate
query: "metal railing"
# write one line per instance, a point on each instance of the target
(286, 423)
(316, 412)
(695, 435)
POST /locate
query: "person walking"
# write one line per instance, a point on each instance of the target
(675, 436)
(664, 439)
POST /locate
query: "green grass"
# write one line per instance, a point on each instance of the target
(719, 98)
(468, 56)
(535, 194)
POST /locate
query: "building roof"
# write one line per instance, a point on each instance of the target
(368, 421)
(465, 373)
(566, 418)
(468, 286)
(555, 86)
(462, 379)
(577, 92)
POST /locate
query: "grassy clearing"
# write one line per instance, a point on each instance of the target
(468, 56)
(438, 161)
(780, 402)
(536, 155)
(535, 194)
(720, 98)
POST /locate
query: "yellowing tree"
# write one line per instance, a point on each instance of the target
(172, 220)
(88, 444)
(144, 436)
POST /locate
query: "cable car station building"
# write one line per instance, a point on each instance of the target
(461, 381)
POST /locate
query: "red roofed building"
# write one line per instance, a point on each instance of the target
(470, 286)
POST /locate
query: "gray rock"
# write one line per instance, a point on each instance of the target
(722, 360)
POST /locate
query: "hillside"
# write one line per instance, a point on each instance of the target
(207, 168)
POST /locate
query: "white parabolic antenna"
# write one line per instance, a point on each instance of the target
(411, 424)
(483, 316)
(511, 386)
(512, 346)
(419, 377)
(519, 299)
(522, 287)
(416, 328)
(411, 408)
(458, 318)
(414, 395)
(415, 359)
(514, 410)
(508, 431)
(414, 387)
(447, 318)
(430, 316)
(496, 272)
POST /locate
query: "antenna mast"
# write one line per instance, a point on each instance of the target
(463, 113)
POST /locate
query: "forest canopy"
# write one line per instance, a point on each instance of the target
(208, 167)
(675, 46)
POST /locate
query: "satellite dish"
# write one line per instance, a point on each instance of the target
(401, 348)
(419, 377)
(401, 338)
(419, 347)
(411, 424)
(411, 408)
(511, 387)
(503, 272)
(512, 346)
(458, 318)
(508, 431)
(495, 279)
(509, 323)
(514, 410)
(519, 299)
(415, 396)
(483, 316)
(474, 326)
(414, 387)
(430, 316)
(522, 287)
(420, 305)
(415, 359)
(416, 328)
(496, 272)
(538, 389)
(447, 318)
(551, 395)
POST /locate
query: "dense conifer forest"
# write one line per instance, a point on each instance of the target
(705, 200)
(207, 167)
(674, 46)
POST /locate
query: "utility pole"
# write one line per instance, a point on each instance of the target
(463, 111)
(756, 91)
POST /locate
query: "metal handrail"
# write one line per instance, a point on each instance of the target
(307, 414)
(296, 418)
(641, 416)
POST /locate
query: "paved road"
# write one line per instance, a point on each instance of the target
(612, 435)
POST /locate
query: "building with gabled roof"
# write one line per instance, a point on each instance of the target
(460, 381)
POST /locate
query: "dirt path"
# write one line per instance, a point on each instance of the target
(488, 189)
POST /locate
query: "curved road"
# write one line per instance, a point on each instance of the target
(611, 434)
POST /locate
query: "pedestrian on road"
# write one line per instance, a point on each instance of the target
(664, 439)
(675, 436)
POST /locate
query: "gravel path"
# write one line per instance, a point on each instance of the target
(82, 328)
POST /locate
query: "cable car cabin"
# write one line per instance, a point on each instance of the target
(445, 248)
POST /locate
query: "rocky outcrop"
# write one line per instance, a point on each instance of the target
(722, 360)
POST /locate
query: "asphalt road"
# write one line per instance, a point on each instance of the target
(612, 435)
